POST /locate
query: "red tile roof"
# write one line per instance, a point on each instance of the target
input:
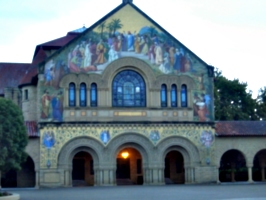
(41, 55)
(61, 41)
(32, 130)
(241, 128)
(31, 73)
(11, 74)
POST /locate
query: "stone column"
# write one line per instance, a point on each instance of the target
(186, 175)
(192, 174)
(250, 179)
(67, 178)
(77, 96)
(218, 175)
(37, 184)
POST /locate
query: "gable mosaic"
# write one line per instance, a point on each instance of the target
(126, 33)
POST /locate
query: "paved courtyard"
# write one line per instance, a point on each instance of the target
(172, 192)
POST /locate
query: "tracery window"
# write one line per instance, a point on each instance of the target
(93, 94)
(173, 96)
(183, 96)
(129, 90)
(72, 95)
(82, 95)
(164, 95)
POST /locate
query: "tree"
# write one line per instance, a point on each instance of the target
(13, 136)
(232, 101)
(101, 27)
(261, 100)
(116, 23)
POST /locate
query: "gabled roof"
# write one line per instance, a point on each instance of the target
(12, 74)
(241, 128)
(124, 3)
(57, 43)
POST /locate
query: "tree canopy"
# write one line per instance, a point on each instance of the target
(13, 136)
(232, 100)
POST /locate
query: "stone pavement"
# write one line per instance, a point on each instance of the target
(172, 192)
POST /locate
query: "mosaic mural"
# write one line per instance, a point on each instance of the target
(55, 138)
(125, 34)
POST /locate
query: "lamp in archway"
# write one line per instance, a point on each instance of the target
(125, 154)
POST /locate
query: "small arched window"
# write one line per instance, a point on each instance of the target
(82, 95)
(72, 95)
(183, 96)
(93, 95)
(163, 96)
(173, 96)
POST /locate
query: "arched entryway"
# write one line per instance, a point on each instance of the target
(233, 167)
(183, 157)
(82, 169)
(22, 178)
(259, 164)
(174, 172)
(80, 153)
(129, 167)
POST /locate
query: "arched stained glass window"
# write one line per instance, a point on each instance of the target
(183, 96)
(163, 96)
(72, 95)
(82, 95)
(129, 90)
(173, 96)
(93, 95)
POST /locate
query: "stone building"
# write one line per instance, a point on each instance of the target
(124, 102)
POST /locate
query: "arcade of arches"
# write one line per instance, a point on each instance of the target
(135, 161)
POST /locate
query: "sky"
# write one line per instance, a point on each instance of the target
(227, 34)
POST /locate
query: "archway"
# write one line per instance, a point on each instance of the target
(82, 169)
(259, 164)
(129, 167)
(22, 178)
(174, 172)
(68, 152)
(233, 167)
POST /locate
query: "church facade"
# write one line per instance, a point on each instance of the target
(124, 102)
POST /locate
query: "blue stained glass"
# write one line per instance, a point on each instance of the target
(93, 95)
(128, 90)
(184, 96)
(72, 95)
(82, 93)
(164, 96)
(173, 96)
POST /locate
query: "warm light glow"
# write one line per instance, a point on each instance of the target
(125, 154)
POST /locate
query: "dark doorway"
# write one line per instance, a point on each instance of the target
(82, 171)
(174, 168)
(259, 166)
(233, 167)
(22, 178)
(123, 168)
(78, 172)
(129, 167)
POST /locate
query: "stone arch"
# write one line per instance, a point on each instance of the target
(134, 140)
(76, 145)
(68, 78)
(129, 63)
(233, 164)
(259, 165)
(221, 153)
(187, 149)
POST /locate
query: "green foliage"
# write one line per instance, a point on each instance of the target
(232, 101)
(13, 136)
(261, 100)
